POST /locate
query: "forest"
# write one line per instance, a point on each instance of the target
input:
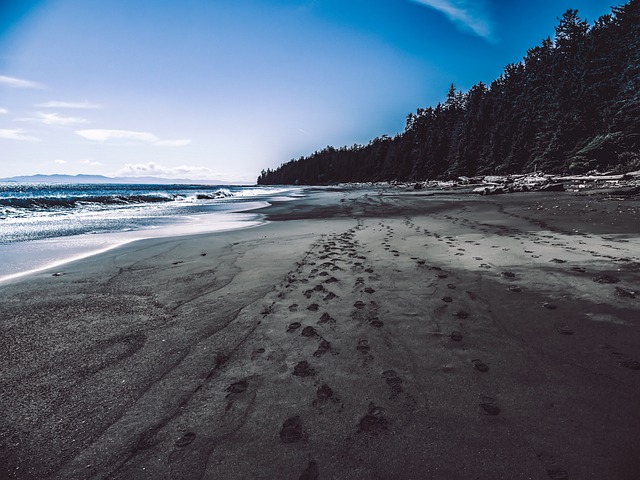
(572, 105)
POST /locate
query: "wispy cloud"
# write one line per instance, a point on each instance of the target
(156, 170)
(53, 119)
(17, 134)
(60, 162)
(129, 136)
(3, 111)
(468, 14)
(18, 82)
(91, 163)
(79, 105)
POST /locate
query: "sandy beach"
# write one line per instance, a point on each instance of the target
(360, 334)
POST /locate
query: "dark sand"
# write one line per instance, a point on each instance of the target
(360, 335)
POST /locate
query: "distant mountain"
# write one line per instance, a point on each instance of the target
(571, 105)
(57, 178)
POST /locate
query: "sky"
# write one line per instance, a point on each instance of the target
(221, 89)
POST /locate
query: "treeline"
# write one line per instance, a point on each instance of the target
(572, 105)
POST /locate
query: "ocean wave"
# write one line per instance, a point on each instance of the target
(47, 203)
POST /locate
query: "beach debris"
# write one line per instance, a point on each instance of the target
(514, 288)
(549, 306)
(57, 274)
(624, 293)
(606, 279)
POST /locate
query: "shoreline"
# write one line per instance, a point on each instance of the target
(27, 257)
(367, 333)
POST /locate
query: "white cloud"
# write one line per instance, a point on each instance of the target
(469, 15)
(156, 170)
(3, 111)
(16, 134)
(129, 136)
(57, 104)
(91, 163)
(53, 119)
(18, 82)
(61, 162)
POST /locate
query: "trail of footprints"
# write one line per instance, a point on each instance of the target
(318, 315)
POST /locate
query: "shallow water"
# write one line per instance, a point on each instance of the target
(45, 225)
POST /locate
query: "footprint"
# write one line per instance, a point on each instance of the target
(489, 407)
(480, 365)
(394, 381)
(311, 472)
(549, 306)
(456, 336)
(371, 290)
(293, 326)
(326, 318)
(237, 387)
(461, 314)
(374, 422)
(514, 288)
(447, 299)
(376, 322)
(256, 353)
(308, 332)
(185, 439)
(359, 304)
(323, 348)
(292, 431)
(324, 392)
(303, 369)
(564, 330)
(313, 307)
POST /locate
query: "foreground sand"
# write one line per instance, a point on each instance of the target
(360, 335)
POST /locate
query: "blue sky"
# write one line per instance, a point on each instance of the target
(220, 89)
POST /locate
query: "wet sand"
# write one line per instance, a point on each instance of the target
(361, 334)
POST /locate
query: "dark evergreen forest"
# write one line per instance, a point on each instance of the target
(570, 106)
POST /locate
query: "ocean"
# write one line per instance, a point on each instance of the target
(47, 224)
